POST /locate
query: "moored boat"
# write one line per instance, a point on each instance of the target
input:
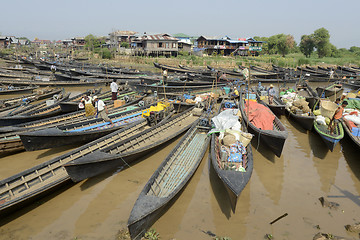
(352, 132)
(168, 180)
(124, 151)
(330, 139)
(33, 183)
(82, 132)
(234, 172)
(273, 134)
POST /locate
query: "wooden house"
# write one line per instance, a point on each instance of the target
(226, 46)
(4, 42)
(117, 37)
(78, 42)
(155, 45)
(223, 46)
(255, 47)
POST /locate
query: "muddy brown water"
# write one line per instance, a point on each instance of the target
(98, 208)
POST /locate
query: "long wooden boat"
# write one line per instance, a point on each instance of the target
(305, 90)
(16, 101)
(123, 152)
(277, 107)
(332, 91)
(15, 90)
(164, 88)
(305, 121)
(234, 181)
(33, 183)
(168, 180)
(274, 139)
(171, 68)
(33, 113)
(82, 132)
(9, 138)
(331, 140)
(4, 75)
(355, 138)
(85, 82)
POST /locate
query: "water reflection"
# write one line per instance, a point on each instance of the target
(318, 147)
(271, 174)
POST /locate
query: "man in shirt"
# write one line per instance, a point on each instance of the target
(337, 116)
(101, 110)
(114, 89)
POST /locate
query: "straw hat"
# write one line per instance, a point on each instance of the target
(271, 85)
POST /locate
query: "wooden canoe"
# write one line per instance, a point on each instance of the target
(277, 107)
(31, 184)
(124, 151)
(168, 180)
(274, 139)
(234, 181)
(331, 140)
(82, 132)
(354, 138)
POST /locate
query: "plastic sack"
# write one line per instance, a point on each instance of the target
(320, 120)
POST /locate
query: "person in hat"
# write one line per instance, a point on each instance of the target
(101, 110)
(271, 93)
(337, 116)
(235, 94)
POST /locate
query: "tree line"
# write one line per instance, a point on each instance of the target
(318, 42)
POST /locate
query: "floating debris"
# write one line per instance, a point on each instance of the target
(327, 236)
(353, 228)
(282, 216)
(326, 203)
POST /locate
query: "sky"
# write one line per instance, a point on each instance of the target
(58, 20)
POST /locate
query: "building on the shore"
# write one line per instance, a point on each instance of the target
(118, 37)
(78, 42)
(41, 43)
(155, 45)
(227, 46)
(255, 47)
(4, 41)
(184, 44)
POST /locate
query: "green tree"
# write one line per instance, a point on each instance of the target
(125, 45)
(92, 42)
(281, 44)
(307, 45)
(322, 42)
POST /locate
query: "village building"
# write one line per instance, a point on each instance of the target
(184, 44)
(226, 46)
(118, 37)
(41, 43)
(155, 45)
(78, 42)
(255, 47)
(4, 41)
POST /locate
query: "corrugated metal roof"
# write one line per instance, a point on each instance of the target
(159, 37)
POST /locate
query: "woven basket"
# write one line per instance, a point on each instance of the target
(328, 108)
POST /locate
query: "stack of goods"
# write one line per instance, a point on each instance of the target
(352, 116)
(201, 98)
(232, 139)
(325, 113)
(296, 104)
(259, 115)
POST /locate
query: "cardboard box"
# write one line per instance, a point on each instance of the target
(119, 103)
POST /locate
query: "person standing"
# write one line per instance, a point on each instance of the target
(165, 75)
(271, 94)
(101, 110)
(114, 89)
(89, 107)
